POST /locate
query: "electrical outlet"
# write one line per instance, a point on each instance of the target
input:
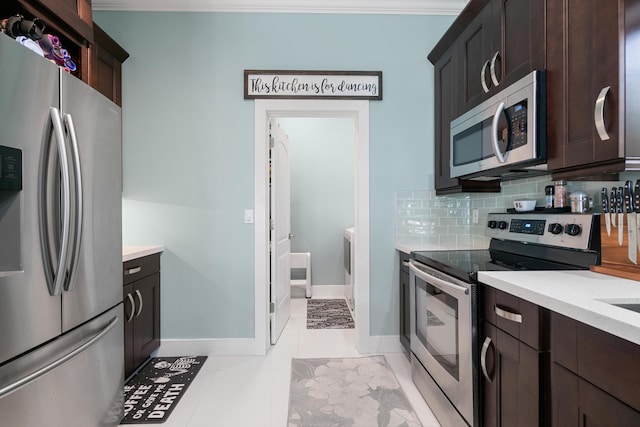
(474, 216)
(248, 216)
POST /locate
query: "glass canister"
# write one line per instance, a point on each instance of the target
(560, 199)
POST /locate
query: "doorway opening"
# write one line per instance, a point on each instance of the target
(359, 112)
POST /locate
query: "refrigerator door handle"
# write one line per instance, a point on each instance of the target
(60, 274)
(78, 203)
(50, 367)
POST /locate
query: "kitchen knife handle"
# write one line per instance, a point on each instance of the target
(614, 199)
(620, 200)
(605, 201)
(636, 197)
(627, 196)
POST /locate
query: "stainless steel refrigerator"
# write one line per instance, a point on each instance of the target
(61, 330)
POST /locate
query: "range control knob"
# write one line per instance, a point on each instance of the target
(492, 224)
(573, 229)
(555, 228)
(502, 225)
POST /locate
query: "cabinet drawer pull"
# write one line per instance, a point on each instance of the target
(598, 114)
(483, 77)
(139, 299)
(483, 358)
(133, 307)
(405, 263)
(492, 70)
(133, 270)
(508, 315)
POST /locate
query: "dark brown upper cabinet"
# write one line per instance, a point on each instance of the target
(584, 92)
(501, 44)
(473, 61)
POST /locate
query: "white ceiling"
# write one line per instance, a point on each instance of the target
(405, 7)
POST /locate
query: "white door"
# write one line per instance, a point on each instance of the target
(280, 236)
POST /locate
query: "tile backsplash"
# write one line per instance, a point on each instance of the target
(424, 218)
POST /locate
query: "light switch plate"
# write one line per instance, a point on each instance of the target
(248, 216)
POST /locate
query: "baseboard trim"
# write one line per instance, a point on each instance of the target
(210, 347)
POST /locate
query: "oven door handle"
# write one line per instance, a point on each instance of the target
(442, 284)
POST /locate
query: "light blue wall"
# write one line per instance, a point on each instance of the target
(322, 191)
(189, 144)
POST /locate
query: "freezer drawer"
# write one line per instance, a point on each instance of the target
(84, 391)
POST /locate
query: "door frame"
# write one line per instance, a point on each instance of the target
(264, 110)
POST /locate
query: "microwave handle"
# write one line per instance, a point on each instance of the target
(494, 133)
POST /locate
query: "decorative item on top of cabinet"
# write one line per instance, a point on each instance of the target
(514, 360)
(107, 57)
(405, 296)
(141, 310)
(593, 88)
(595, 376)
(69, 21)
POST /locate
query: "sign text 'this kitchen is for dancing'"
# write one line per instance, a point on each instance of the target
(266, 84)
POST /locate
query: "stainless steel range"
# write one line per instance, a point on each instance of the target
(444, 305)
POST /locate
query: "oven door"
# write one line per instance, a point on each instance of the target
(442, 333)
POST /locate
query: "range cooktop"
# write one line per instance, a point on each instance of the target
(538, 241)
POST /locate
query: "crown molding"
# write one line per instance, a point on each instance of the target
(394, 7)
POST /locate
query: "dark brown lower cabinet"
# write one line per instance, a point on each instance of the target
(141, 311)
(511, 384)
(514, 361)
(594, 377)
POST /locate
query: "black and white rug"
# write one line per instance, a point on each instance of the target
(347, 392)
(152, 394)
(328, 314)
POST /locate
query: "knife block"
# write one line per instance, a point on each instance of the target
(615, 257)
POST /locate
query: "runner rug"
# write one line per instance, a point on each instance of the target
(328, 314)
(151, 395)
(358, 391)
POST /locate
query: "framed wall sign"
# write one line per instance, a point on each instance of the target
(263, 84)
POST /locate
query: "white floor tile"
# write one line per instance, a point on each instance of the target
(253, 391)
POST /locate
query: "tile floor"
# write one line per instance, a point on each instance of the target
(253, 391)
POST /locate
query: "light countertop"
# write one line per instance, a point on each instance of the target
(133, 252)
(407, 248)
(579, 295)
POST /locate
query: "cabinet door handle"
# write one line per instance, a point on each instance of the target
(405, 263)
(598, 114)
(514, 317)
(494, 78)
(483, 77)
(483, 358)
(139, 299)
(133, 270)
(133, 307)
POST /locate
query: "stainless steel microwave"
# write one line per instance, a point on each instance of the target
(505, 136)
